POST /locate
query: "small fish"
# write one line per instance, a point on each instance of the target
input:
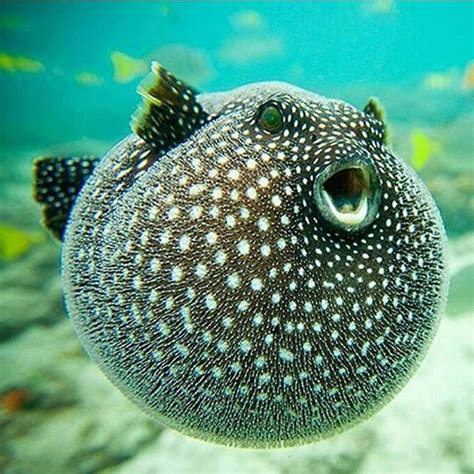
(88, 79)
(191, 63)
(247, 50)
(423, 149)
(12, 64)
(164, 8)
(126, 68)
(15, 242)
(380, 7)
(453, 79)
(252, 267)
(247, 19)
(468, 78)
(439, 81)
(15, 400)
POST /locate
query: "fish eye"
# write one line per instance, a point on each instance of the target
(270, 118)
(347, 194)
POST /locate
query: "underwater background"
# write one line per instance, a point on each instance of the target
(68, 77)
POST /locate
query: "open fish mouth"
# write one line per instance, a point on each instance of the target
(348, 194)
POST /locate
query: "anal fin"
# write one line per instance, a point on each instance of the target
(56, 184)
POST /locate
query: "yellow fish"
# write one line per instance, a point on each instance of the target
(190, 63)
(423, 148)
(247, 50)
(441, 80)
(88, 79)
(164, 8)
(127, 68)
(15, 242)
(379, 6)
(10, 63)
(468, 78)
(247, 19)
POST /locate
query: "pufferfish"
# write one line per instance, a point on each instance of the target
(254, 267)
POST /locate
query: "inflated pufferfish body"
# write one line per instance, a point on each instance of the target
(253, 267)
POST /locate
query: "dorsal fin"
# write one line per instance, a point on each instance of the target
(168, 115)
(56, 184)
(374, 109)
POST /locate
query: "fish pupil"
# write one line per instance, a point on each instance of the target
(271, 118)
(346, 189)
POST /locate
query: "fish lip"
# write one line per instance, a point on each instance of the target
(368, 206)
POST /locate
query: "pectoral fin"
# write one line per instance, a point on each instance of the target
(56, 184)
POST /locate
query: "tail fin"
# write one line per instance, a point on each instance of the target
(57, 182)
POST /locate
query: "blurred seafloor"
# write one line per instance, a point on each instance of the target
(58, 413)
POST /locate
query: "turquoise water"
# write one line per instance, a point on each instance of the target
(324, 46)
(62, 92)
